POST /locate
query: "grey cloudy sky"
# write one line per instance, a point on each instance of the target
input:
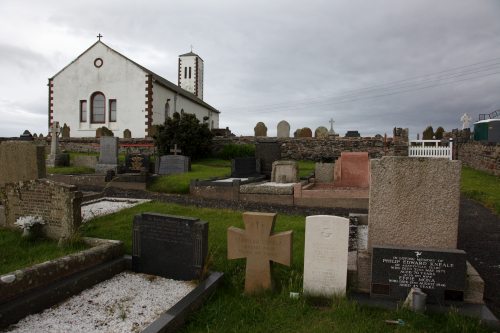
(364, 63)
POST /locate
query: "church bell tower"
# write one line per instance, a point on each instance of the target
(191, 73)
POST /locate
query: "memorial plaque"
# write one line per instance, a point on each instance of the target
(267, 153)
(174, 247)
(439, 273)
(137, 163)
(245, 167)
(170, 164)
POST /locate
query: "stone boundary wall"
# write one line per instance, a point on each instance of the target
(480, 156)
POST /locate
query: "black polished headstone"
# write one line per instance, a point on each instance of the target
(136, 163)
(245, 167)
(169, 164)
(439, 273)
(174, 247)
(267, 153)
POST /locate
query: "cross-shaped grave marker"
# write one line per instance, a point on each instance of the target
(54, 131)
(331, 125)
(175, 150)
(260, 246)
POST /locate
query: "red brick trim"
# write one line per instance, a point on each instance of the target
(51, 102)
(149, 104)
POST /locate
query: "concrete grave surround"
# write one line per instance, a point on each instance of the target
(283, 129)
(321, 132)
(414, 202)
(57, 204)
(108, 157)
(259, 245)
(285, 172)
(323, 172)
(326, 255)
(21, 160)
(260, 129)
(352, 170)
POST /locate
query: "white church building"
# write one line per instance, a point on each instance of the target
(104, 88)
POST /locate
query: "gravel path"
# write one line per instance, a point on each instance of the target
(104, 206)
(128, 302)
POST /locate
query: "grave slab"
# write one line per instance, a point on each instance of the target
(259, 245)
(325, 255)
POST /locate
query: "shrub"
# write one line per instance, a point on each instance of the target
(428, 134)
(232, 150)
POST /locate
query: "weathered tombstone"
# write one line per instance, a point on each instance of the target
(352, 134)
(98, 132)
(321, 132)
(26, 136)
(127, 134)
(323, 172)
(439, 273)
(54, 145)
(267, 153)
(244, 167)
(137, 163)
(283, 129)
(170, 246)
(260, 246)
(170, 164)
(21, 161)
(35, 136)
(426, 197)
(285, 172)
(65, 131)
(108, 157)
(260, 129)
(40, 135)
(304, 133)
(325, 255)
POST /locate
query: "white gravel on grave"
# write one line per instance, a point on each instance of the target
(274, 184)
(229, 180)
(128, 302)
(105, 206)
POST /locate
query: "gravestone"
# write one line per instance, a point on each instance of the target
(439, 273)
(170, 164)
(304, 133)
(283, 129)
(352, 169)
(170, 246)
(427, 193)
(323, 172)
(245, 167)
(127, 134)
(137, 163)
(26, 136)
(108, 157)
(321, 132)
(352, 134)
(325, 255)
(65, 131)
(260, 246)
(260, 129)
(20, 161)
(267, 153)
(54, 145)
(285, 172)
(331, 131)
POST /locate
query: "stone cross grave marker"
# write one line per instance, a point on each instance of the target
(331, 131)
(259, 245)
(175, 150)
(325, 255)
(171, 246)
(54, 146)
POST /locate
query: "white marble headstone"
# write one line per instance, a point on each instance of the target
(325, 255)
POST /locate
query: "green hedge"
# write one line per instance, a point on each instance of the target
(232, 150)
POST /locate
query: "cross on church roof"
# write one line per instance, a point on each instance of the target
(99, 36)
(259, 245)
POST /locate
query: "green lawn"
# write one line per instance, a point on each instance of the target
(231, 311)
(306, 168)
(482, 187)
(18, 253)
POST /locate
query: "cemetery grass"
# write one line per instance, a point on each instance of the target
(482, 187)
(229, 310)
(19, 253)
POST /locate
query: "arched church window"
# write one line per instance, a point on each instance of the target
(97, 108)
(212, 124)
(182, 112)
(167, 110)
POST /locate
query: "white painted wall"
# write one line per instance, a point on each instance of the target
(189, 84)
(117, 78)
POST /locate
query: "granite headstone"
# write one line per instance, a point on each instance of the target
(170, 164)
(267, 153)
(137, 163)
(244, 167)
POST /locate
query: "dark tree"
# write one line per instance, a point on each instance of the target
(439, 133)
(191, 136)
(428, 134)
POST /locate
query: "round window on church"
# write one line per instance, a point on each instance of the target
(98, 62)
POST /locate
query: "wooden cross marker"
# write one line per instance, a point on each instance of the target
(260, 246)
(175, 150)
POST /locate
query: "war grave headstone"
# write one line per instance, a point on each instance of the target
(283, 129)
(439, 273)
(260, 129)
(259, 245)
(108, 157)
(285, 172)
(321, 132)
(267, 153)
(174, 247)
(245, 167)
(137, 163)
(326, 255)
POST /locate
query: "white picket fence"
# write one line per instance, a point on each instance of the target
(430, 148)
